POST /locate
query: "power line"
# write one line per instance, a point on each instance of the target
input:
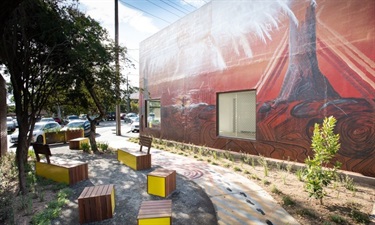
(176, 7)
(189, 4)
(164, 8)
(132, 6)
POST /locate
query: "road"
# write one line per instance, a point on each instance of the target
(104, 130)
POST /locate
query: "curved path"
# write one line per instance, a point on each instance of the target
(237, 200)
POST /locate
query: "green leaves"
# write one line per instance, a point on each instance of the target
(325, 144)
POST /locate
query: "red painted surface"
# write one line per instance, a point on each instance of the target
(314, 61)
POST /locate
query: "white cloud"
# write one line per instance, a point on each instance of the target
(103, 11)
(134, 27)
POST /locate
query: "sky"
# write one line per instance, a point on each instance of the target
(138, 20)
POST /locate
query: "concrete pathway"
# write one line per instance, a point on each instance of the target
(237, 200)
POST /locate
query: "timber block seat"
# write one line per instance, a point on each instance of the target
(137, 160)
(76, 143)
(96, 203)
(155, 212)
(57, 169)
(161, 182)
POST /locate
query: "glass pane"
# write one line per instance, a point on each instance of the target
(153, 113)
(237, 114)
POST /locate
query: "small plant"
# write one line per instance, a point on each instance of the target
(359, 217)
(103, 146)
(237, 169)
(325, 145)
(306, 212)
(278, 166)
(289, 167)
(349, 183)
(275, 190)
(337, 219)
(266, 182)
(288, 201)
(299, 174)
(262, 161)
(253, 162)
(85, 147)
(53, 208)
(214, 154)
(284, 179)
(41, 196)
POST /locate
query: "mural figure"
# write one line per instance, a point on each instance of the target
(302, 71)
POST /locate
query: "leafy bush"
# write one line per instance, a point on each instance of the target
(325, 145)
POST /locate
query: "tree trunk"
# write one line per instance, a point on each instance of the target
(92, 137)
(21, 157)
(303, 79)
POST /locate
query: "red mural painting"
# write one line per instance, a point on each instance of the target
(314, 66)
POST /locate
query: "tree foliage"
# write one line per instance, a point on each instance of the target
(55, 54)
(31, 47)
(325, 145)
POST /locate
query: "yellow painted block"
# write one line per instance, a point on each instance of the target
(156, 185)
(53, 172)
(127, 158)
(113, 200)
(155, 221)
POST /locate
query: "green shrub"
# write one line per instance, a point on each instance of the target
(359, 217)
(325, 145)
(85, 147)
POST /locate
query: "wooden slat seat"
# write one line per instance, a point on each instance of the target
(155, 212)
(59, 170)
(161, 182)
(137, 160)
(96, 203)
(76, 144)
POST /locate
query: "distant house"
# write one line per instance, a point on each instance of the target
(255, 76)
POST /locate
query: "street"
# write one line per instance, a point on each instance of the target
(103, 131)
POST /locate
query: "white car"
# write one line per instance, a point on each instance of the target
(135, 125)
(39, 129)
(11, 125)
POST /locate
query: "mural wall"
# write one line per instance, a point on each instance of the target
(305, 59)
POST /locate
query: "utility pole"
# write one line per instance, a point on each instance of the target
(118, 118)
(127, 94)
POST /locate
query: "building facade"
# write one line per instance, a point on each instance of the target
(255, 76)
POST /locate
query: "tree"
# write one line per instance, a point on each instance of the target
(325, 144)
(32, 47)
(92, 76)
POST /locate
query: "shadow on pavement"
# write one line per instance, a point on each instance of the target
(190, 204)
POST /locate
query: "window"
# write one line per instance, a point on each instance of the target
(237, 114)
(153, 113)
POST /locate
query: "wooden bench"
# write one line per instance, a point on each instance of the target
(155, 212)
(76, 143)
(137, 160)
(161, 182)
(96, 203)
(61, 170)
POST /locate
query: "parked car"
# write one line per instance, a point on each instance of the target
(135, 125)
(47, 119)
(111, 116)
(39, 129)
(71, 118)
(83, 124)
(11, 125)
(130, 117)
